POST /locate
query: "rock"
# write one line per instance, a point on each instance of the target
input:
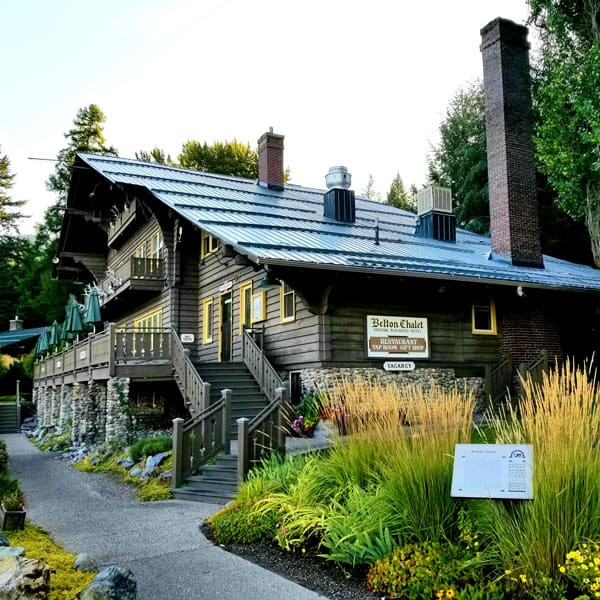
(135, 472)
(113, 583)
(8, 551)
(94, 460)
(166, 475)
(127, 463)
(3, 540)
(84, 562)
(152, 462)
(24, 579)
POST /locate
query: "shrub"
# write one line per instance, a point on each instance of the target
(150, 446)
(9, 486)
(561, 418)
(427, 570)
(239, 524)
(307, 414)
(582, 567)
(3, 457)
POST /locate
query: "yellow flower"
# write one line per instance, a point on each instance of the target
(562, 569)
(596, 560)
(523, 578)
(507, 572)
(450, 593)
(594, 587)
(584, 567)
(584, 545)
(440, 594)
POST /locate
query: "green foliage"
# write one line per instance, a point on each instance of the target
(460, 160)
(156, 155)
(398, 197)
(426, 570)
(568, 105)
(370, 192)
(225, 158)
(582, 568)
(150, 446)
(65, 582)
(3, 457)
(56, 442)
(9, 213)
(307, 414)
(9, 486)
(238, 523)
(154, 490)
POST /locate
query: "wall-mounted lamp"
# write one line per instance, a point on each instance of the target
(520, 291)
(55, 260)
(269, 280)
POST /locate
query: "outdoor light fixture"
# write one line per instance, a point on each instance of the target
(269, 280)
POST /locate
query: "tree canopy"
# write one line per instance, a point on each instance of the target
(224, 158)
(398, 197)
(568, 105)
(9, 213)
(459, 161)
(86, 135)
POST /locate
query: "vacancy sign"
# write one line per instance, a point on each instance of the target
(493, 471)
(397, 337)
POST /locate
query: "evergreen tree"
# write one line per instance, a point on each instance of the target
(398, 197)
(9, 213)
(156, 155)
(370, 192)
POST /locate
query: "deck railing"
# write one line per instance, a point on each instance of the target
(199, 439)
(108, 348)
(498, 380)
(535, 369)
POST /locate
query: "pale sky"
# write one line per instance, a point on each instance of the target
(360, 84)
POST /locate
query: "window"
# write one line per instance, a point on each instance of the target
(287, 302)
(245, 305)
(259, 306)
(483, 318)
(207, 321)
(151, 247)
(147, 338)
(151, 320)
(208, 244)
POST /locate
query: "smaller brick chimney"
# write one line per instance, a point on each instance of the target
(514, 222)
(270, 160)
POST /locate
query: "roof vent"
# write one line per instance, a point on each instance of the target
(339, 201)
(338, 177)
(435, 218)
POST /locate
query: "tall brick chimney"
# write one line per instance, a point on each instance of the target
(514, 221)
(270, 160)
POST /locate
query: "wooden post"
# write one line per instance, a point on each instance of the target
(226, 395)
(112, 349)
(18, 405)
(177, 476)
(186, 357)
(243, 448)
(545, 361)
(281, 419)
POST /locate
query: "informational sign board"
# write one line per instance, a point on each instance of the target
(397, 337)
(398, 365)
(187, 338)
(493, 471)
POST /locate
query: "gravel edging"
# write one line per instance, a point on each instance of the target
(307, 570)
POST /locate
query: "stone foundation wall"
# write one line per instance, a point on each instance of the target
(117, 399)
(312, 380)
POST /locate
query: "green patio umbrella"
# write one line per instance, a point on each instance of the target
(73, 325)
(54, 335)
(92, 313)
(42, 346)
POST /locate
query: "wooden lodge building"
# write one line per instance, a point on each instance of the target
(205, 277)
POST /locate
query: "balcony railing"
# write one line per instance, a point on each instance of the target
(110, 349)
(135, 273)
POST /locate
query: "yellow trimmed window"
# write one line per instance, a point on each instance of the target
(147, 337)
(207, 320)
(151, 247)
(287, 303)
(245, 305)
(483, 317)
(150, 320)
(208, 244)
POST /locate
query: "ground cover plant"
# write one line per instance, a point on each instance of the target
(378, 505)
(65, 581)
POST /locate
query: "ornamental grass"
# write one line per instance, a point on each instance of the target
(561, 418)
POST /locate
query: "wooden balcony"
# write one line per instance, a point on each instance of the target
(120, 223)
(139, 277)
(128, 353)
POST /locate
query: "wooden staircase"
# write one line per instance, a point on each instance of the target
(9, 418)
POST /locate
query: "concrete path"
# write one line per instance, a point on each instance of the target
(159, 541)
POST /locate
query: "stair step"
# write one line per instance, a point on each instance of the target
(218, 485)
(196, 495)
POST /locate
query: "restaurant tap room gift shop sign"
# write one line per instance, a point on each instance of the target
(397, 337)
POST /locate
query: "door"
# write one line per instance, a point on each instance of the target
(225, 333)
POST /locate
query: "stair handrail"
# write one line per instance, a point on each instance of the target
(535, 369)
(195, 391)
(262, 370)
(199, 439)
(499, 380)
(264, 434)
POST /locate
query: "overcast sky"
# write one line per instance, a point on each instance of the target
(362, 84)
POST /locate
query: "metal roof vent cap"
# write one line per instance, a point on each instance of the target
(338, 177)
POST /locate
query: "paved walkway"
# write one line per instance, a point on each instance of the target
(159, 541)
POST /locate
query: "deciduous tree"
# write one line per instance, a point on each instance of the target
(224, 158)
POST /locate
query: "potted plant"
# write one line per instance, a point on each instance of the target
(12, 512)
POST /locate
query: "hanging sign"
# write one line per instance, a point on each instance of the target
(390, 365)
(187, 338)
(397, 337)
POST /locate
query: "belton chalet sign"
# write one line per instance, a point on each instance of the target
(397, 337)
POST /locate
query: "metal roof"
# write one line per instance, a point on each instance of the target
(287, 227)
(7, 338)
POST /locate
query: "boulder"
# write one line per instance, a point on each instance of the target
(152, 463)
(135, 472)
(113, 583)
(24, 579)
(127, 463)
(7, 551)
(84, 562)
